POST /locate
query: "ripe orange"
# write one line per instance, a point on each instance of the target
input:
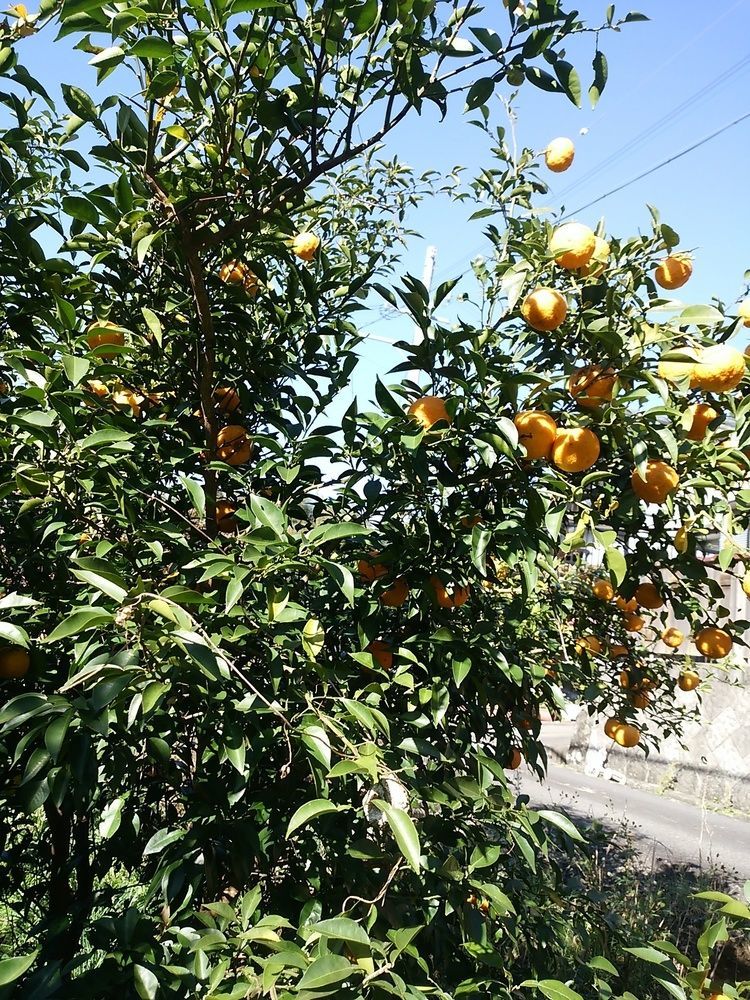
(616, 651)
(627, 605)
(702, 415)
(633, 623)
(122, 396)
(713, 643)
(226, 398)
(746, 583)
(674, 271)
(305, 245)
(743, 311)
(575, 449)
(559, 155)
(572, 245)
(382, 653)
(672, 637)
(102, 331)
(660, 482)
(611, 726)
(639, 699)
(514, 760)
(591, 386)
(536, 432)
(233, 446)
(589, 644)
(627, 736)
(648, 596)
(226, 522)
(599, 259)
(457, 599)
(603, 589)
(681, 540)
(396, 594)
(14, 662)
(688, 680)
(720, 368)
(370, 571)
(677, 371)
(544, 309)
(251, 284)
(428, 411)
(625, 679)
(233, 272)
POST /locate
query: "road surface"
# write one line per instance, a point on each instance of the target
(665, 829)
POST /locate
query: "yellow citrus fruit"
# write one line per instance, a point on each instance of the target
(616, 651)
(674, 271)
(720, 368)
(382, 653)
(743, 311)
(514, 760)
(537, 431)
(660, 482)
(544, 309)
(647, 595)
(681, 540)
(559, 154)
(603, 589)
(226, 398)
(233, 445)
(713, 643)
(305, 245)
(428, 411)
(672, 637)
(233, 272)
(14, 662)
(104, 332)
(639, 699)
(96, 388)
(588, 643)
(677, 371)
(633, 622)
(746, 583)
(627, 736)
(624, 679)
(611, 726)
(599, 259)
(122, 396)
(251, 284)
(627, 605)
(396, 594)
(591, 386)
(445, 599)
(370, 571)
(572, 245)
(226, 522)
(688, 680)
(575, 449)
(702, 414)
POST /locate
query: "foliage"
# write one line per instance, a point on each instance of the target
(212, 786)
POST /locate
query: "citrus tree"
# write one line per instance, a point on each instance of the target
(263, 674)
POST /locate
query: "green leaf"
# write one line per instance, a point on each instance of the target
(330, 532)
(343, 929)
(479, 93)
(111, 818)
(12, 969)
(313, 638)
(107, 435)
(325, 971)
(14, 634)
(616, 563)
(600, 78)
(80, 208)
(153, 323)
(75, 368)
(342, 576)
(602, 963)
(567, 74)
(152, 47)
(77, 622)
(161, 839)
(316, 738)
(310, 811)
(146, 983)
(403, 830)
(79, 102)
(97, 573)
(554, 989)
(562, 823)
(648, 954)
(699, 316)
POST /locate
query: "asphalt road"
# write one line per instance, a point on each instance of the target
(665, 830)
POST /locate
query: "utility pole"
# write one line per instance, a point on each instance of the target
(428, 273)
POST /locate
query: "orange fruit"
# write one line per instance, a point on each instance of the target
(611, 726)
(639, 699)
(469, 521)
(746, 583)
(544, 309)
(96, 388)
(720, 368)
(591, 386)
(14, 662)
(428, 411)
(589, 644)
(677, 371)
(660, 482)
(627, 736)
(457, 599)
(233, 272)
(514, 760)
(122, 396)
(371, 571)
(603, 589)
(233, 446)
(226, 522)
(382, 653)
(633, 623)
(616, 651)
(575, 449)
(104, 332)
(251, 284)
(599, 259)
(674, 271)
(536, 432)
(681, 540)
(688, 680)
(648, 596)
(672, 637)
(226, 398)
(396, 594)
(305, 245)
(627, 605)
(713, 643)
(743, 311)
(559, 155)
(701, 416)
(572, 245)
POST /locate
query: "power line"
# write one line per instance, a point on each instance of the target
(664, 163)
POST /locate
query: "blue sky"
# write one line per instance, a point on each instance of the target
(647, 113)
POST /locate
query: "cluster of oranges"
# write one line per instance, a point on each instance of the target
(234, 272)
